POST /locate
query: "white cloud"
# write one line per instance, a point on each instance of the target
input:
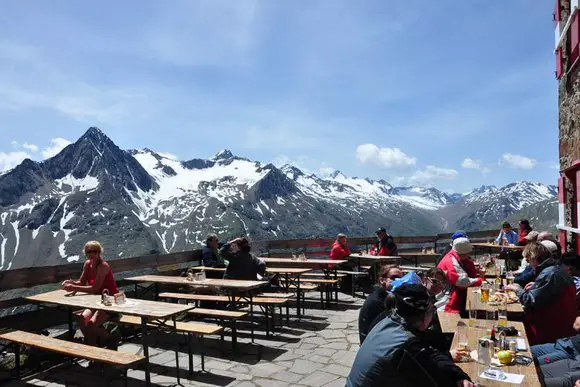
(384, 157)
(324, 172)
(430, 175)
(9, 160)
(57, 144)
(30, 147)
(517, 161)
(475, 164)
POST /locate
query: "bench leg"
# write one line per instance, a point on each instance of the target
(176, 347)
(145, 351)
(288, 314)
(202, 351)
(281, 317)
(267, 321)
(125, 377)
(252, 318)
(17, 360)
(70, 324)
(190, 353)
(235, 335)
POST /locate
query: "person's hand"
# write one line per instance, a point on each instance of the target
(68, 287)
(529, 286)
(577, 324)
(467, 383)
(66, 282)
(457, 354)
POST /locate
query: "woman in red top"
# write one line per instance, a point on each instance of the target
(339, 248)
(96, 277)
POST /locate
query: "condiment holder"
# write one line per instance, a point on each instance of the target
(105, 298)
(190, 275)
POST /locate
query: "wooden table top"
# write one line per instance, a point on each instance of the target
(309, 263)
(471, 368)
(210, 282)
(448, 321)
(272, 270)
(474, 302)
(419, 254)
(492, 245)
(414, 268)
(133, 307)
(375, 258)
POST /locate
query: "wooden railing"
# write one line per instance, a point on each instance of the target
(43, 275)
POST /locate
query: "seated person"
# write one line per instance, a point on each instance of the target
(375, 302)
(398, 352)
(571, 264)
(561, 373)
(458, 234)
(507, 233)
(340, 250)
(564, 348)
(551, 294)
(528, 274)
(210, 255)
(547, 236)
(243, 265)
(96, 277)
(436, 281)
(385, 245)
(461, 274)
(525, 229)
(512, 257)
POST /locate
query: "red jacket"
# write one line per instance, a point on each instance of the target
(339, 251)
(385, 248)
(461, 275)
(522, 241)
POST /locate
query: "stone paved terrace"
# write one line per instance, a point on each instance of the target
(317, 350)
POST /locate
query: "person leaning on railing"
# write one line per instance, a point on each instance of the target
(96, 277)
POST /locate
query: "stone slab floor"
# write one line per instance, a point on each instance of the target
(317, 350)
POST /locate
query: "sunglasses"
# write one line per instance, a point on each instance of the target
(393, 277)
(92, 251)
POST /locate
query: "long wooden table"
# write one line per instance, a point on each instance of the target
(146, 310)
(418, 255)
(290, 274)
(449, 322)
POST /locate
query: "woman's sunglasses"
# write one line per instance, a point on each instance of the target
(92, 251)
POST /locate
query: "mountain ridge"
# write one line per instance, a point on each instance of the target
(142, 201)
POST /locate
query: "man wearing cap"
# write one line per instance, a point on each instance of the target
(461, 273)
(399, 352)
(385, 245)
(457, 234)
(374, 305)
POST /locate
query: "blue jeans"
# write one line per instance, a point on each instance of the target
(551, 352)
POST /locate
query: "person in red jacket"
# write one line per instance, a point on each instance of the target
(339, 248)
(525, 229)
(461, 274)
(385, 245)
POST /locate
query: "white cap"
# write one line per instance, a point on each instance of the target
(462, 246)
(550, 245)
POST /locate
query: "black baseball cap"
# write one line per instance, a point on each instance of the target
(381, 229)
(412, 300)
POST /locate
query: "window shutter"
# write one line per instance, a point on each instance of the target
(574, 37)
(562, 209)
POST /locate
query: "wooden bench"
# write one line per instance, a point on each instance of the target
(355, 275)
(191, 328)
(268, 304)
(221, 316)
(68, 348)
(322, 275)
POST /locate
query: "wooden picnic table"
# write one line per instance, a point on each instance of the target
(418, 255)
(473, 369)
(492, 246)
(290, 274)
(146, 310)
(214, 283)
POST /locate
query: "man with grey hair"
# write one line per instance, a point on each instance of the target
(210, 255)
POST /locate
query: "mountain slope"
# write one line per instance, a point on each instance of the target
(139, 201)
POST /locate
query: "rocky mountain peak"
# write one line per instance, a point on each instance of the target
(224, 154)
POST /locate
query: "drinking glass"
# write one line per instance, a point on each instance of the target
(484, 292)
(509, 278)
(472, 317)
(502, 314)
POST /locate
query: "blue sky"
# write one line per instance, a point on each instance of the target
(452, 94)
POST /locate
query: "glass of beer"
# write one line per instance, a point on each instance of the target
(502, 315)
(484, 293)
(509, 278)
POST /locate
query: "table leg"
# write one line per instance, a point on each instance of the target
(70, 323)
(176, 348)
(145, 351)
(156, 291)
(252, 315)
(298, 295)
(136, 292)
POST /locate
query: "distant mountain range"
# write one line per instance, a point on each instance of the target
(140, 201)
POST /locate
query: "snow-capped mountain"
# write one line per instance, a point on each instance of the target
(141, 201)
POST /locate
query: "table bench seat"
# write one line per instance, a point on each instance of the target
(341, 275)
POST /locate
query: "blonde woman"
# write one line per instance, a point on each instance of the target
(96, 277)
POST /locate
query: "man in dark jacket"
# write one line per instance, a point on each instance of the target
(398, 352)
(385, 245)
(210, 255)
(374, 305)
(242, 264)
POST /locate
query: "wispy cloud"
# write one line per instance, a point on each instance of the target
(390, 158)
(475, 164)
(517, 161)
(57, 144)
(9, 160)
(432, 174)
